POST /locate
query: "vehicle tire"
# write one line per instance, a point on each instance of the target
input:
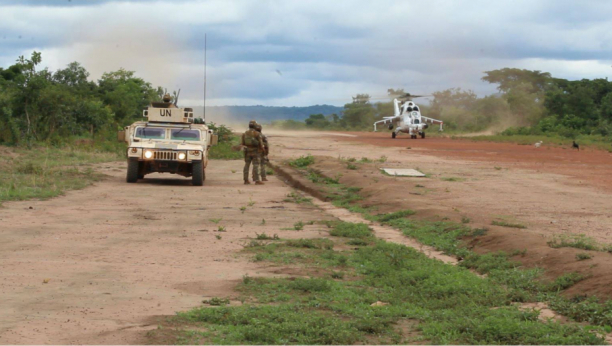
(132, 171)
(423, 135)
(197, 173)
(393, 134)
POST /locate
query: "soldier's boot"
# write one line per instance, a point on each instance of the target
(259, 182)
(264, 179)
(246, 182)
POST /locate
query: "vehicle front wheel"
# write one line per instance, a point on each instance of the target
(393, 134)
(423, 135)
(132, 171)
(197, 173)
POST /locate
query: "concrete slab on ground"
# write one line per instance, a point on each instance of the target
(403, 172)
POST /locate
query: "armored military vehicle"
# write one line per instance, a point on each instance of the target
(171, 140)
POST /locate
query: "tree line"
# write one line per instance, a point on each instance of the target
(41, 105)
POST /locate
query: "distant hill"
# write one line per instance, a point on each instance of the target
(263, 114)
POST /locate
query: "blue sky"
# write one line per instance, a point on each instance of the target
(312, 52)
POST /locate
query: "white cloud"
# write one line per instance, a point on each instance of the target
(325, 50)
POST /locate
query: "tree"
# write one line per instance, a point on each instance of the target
(358, 114)
(508, 78)
(317, 121)
(126, 94)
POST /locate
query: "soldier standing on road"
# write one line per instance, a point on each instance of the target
(263, 158)
(253, 143)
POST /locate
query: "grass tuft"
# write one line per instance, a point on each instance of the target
(507, 224)
(578, 241)
(302, 161)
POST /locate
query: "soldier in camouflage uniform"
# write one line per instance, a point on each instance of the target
(263, 158)
(168, 99)
(253, 143)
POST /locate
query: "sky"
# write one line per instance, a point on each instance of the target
(300, 53)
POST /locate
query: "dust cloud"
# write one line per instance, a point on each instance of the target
(150, 51)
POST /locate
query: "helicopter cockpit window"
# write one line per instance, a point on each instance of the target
(416, 121)
(409, 109)
(416, 108)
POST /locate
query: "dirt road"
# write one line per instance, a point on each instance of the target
(586, 165)
(96, 265)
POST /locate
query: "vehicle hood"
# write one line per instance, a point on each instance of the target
(168, 145)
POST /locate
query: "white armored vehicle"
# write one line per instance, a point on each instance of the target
(169, 141)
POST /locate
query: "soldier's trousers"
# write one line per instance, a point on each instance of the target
(248, 158)
(262, 160)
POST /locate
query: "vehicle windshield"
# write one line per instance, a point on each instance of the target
(185, 135)
(150, 132)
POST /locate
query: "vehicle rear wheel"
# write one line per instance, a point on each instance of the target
(197, 173)
(132, 171)
(393, 134)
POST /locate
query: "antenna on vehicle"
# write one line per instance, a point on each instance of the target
(176, 96)
(204, 116)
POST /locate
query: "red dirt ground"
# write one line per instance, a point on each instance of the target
(592, 166)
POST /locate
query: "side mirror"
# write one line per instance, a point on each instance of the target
(214, 139)
(121, 136)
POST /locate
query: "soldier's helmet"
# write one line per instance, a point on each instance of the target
(167, 98)
(252, 124)
(258, 127)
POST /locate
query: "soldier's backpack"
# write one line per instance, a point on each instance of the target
(250, 140)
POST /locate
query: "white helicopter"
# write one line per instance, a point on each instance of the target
(408, 119)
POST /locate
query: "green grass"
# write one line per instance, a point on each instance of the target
(46, 172)
(395, 215)
(317, 178)
(523, 284)
(503, 223)
(302, 161)
(264, 236)
(224, 151)
(351, 230)
(295, 197)
(578, 241)
(583, 256)
(311, 243)
(452, 179)
(446, 304)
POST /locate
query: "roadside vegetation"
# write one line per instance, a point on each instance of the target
(227, 140)
(578, 241)
(523, 285)
(376, 293)
(45, 172)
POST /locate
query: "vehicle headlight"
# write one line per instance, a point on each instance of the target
(148, 154)
(134, 150)
(195, 152)
(181, 156)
